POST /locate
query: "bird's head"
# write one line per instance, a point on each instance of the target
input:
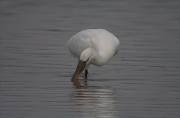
(87, 56)
(85, 59)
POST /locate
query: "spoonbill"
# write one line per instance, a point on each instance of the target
(92, 46)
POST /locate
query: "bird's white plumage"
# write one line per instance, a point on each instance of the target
(101, 43)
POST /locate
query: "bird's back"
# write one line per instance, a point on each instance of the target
(101, 40)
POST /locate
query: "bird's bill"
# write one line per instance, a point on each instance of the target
(80, 67)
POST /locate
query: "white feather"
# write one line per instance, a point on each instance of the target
(102, 45)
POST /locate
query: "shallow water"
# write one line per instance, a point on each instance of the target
(142, 81)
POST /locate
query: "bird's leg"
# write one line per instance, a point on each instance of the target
(86, 73)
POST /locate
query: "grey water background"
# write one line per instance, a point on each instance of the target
(141, 81)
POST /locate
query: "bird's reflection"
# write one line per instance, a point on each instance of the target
(93, 101)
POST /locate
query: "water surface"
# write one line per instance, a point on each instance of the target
(142, 81)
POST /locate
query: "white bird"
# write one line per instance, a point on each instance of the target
(92, 46)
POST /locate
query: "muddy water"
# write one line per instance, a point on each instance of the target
(142, 81)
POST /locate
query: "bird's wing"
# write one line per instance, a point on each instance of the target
(78, 43)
